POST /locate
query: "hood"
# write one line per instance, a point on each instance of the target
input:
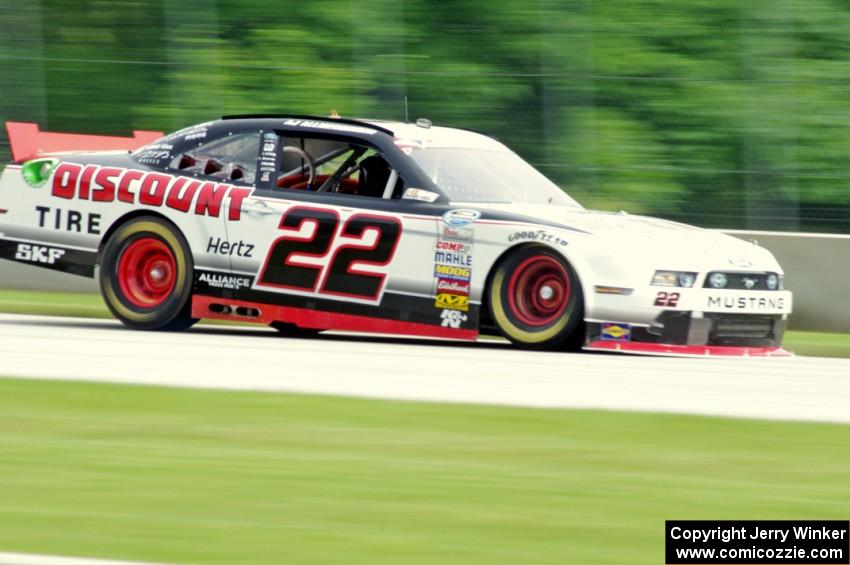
(636, 238)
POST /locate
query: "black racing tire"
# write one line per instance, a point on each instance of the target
(291, 330)
(146, 275)
(536, 300)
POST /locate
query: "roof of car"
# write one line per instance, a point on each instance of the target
(410, 134)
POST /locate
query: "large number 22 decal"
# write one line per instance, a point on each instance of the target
(339, 275)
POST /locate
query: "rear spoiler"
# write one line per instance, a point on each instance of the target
(28, 142)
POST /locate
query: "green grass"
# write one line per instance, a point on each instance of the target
(820, 344)
(195, 476)
(52, 303)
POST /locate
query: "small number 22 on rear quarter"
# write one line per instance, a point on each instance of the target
(146, 275)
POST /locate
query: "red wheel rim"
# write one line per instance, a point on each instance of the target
(147, 272)
(538, 291)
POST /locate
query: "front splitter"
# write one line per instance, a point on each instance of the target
(667, 350)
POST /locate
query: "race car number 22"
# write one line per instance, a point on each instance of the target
(364, 239)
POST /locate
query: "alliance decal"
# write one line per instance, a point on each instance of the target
(224, 280)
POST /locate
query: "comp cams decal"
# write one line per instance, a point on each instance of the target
(107, 184)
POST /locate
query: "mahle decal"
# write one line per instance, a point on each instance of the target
(37, 171)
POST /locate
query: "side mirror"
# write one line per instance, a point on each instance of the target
(419, 194)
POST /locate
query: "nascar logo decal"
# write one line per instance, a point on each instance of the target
(106, 184)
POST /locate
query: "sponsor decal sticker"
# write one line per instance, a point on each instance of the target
(230, 282)
(460, 217)
(452, 318)
(452, 272)
(451, 286)
(465, 235)
(239, 248)
(452, 302)
(330, 126)
(537, 235)
(37, 172)
(38, 253)
(454, 246)
(157, 190)
(419, 194)
(450, 258)
(68, 220)
(616, 332)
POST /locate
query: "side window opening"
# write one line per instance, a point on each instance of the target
(232, 158)
(338, 167)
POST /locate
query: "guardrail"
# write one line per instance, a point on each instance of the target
(817, 270)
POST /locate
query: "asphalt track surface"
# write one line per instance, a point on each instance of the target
(238, 358)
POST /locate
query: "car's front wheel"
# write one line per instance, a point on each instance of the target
(146, 275)
(536, 300)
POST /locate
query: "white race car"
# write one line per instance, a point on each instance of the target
(310, 224)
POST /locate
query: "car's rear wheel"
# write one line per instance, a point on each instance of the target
(536, 300)
(146, 275)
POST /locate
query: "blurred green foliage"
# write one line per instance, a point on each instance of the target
(723, 113)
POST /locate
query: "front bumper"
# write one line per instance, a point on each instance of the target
(683, 333)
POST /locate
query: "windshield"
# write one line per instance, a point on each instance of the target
(484, 175)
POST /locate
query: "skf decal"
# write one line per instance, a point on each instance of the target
(616, 332)
(38, 253)
(107, 184)
(452, 302)
(451, 272)
(452, 318)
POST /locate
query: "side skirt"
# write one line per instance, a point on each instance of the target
(243, 311)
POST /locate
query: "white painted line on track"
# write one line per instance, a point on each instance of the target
(30, 559)
(800, 388)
